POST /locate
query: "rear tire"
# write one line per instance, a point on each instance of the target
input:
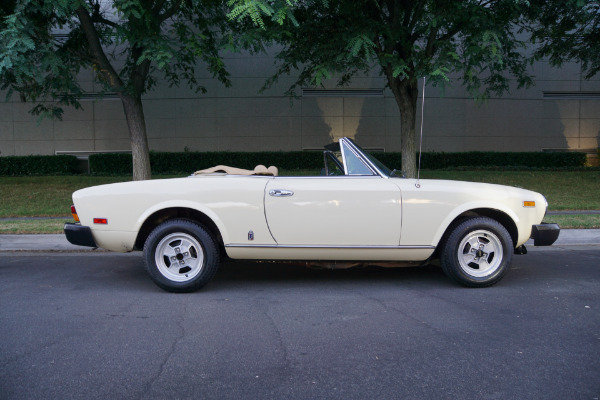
(180, 256)
(477, 253)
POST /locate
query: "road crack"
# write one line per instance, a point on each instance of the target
(171, 351)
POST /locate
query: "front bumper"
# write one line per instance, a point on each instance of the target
(79, 235)
(544, 234)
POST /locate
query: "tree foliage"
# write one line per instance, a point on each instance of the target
(567, 30)
(128, 44)
(277, 11)
(476, 41)
(33, 63)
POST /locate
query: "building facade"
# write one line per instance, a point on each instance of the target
(561, 112)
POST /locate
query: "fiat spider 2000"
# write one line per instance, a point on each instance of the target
(356, 211)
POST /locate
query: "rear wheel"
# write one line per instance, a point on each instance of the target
(477, 253)
(180, 256)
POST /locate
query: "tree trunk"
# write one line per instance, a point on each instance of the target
(406, 93)
(134, 112)
(132, 104)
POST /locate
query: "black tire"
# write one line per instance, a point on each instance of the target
(477, 253)
(180, 256)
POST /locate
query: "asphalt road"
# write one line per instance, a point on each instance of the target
(93, 326)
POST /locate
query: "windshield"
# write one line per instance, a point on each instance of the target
(384, 170)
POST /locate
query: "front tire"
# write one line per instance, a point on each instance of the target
(180, 256)
(477, 253)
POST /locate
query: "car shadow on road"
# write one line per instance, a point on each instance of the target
(233, 273)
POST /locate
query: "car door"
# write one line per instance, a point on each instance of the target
(334, 211)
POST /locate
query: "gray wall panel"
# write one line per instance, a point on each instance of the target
(240, 118)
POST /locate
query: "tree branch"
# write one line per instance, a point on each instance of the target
(105, 68)
(97, 18)
(417, 15)
(157, 7)
(430, 46)
(139, 71)
(170, 11)
(449, 34)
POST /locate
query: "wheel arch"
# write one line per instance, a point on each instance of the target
(497, 215)
(166, 214)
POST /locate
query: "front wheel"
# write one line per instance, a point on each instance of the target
(477, 253)
(180, 256)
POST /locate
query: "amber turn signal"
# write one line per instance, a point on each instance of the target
(74, 213)
(529, 204)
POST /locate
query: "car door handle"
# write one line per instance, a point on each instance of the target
(280, 193)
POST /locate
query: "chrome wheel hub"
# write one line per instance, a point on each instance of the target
(480, 253)
(179, 257)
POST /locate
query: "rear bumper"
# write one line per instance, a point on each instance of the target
(544, 234)
(79, 235)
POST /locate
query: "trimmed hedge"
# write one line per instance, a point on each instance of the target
(169, 163)
(490, 159)
(188, 162)
(110, 164)
(38, 165)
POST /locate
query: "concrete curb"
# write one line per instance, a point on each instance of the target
(574, 237)
(58, 243)
(44, 243)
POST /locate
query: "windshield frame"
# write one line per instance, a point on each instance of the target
(372, 162)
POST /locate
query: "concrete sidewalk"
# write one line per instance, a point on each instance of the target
(45, 243)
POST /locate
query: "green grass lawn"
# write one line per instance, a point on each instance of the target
(41, 196)
(51, 195)
(575, 221)
(14, 227)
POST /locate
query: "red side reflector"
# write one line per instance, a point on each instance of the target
(102, 221)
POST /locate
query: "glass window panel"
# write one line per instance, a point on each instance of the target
(354, 165)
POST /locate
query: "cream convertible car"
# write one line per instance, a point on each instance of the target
(356, 212)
